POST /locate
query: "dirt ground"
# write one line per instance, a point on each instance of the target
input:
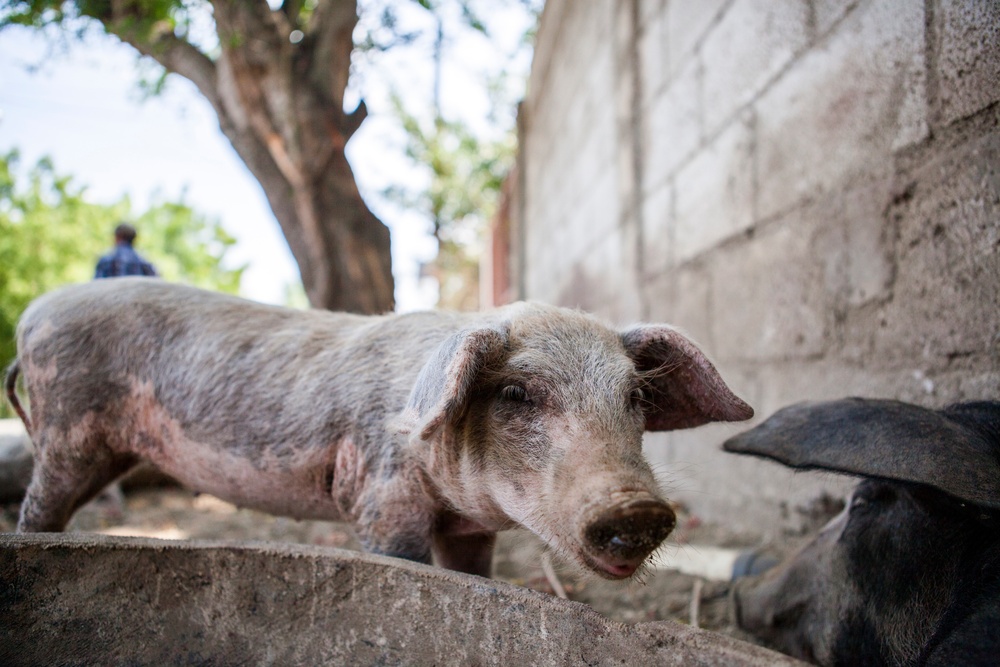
(175, 513)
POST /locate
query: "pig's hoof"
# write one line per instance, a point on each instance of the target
(621, 539)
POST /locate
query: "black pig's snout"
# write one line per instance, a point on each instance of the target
(631, 532)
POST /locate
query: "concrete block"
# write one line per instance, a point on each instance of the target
(828, 12)
(868, 241)
(604, 281)
(968, 60)
(770, 301)
(831, 378)
(979, 385)
(625, 34)
(654, 67)
(751, 44)
(715, 191)
(854, 243)
(591, 219)
(563, 75)
(657, 230)
(681, 298)
(672, 127)
(627, 172)
(687, 24)
(650, 10)
(746, 494)
(946, 295)
(87, 599)
(624, 302)
(579, 221)
(550, 28)
(938, 388)
(842, 109)
(690, 311)
(814, 236)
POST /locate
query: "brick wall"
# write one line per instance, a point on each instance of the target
(809, 188)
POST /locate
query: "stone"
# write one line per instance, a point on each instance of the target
(968, 61)
(946, 293)
(752, 43)
(714, 197)
(89, 599)
(842, 109)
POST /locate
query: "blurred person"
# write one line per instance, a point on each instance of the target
(123, 260)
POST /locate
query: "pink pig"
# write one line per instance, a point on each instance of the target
(430, 432)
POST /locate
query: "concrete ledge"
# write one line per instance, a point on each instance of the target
(92, 599)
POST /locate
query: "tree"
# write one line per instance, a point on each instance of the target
(50, 235)
(276, 78)
(467, 172)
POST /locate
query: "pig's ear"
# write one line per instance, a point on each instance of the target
(441, 391)
(685, 389)
(956, 450)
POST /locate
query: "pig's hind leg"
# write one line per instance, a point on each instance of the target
(65, 477)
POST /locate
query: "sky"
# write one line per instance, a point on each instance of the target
(81, 106)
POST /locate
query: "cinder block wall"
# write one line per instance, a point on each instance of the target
(809, 188)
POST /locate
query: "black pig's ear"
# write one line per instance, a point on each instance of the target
(685, 389)
(956, 450)
(440, 394)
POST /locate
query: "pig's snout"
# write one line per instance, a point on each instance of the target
(620, 539)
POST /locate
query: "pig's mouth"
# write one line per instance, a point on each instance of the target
(618, 541)
(610, 569)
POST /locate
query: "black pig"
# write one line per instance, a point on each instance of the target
(909, 572)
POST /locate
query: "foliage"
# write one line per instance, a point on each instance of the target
(50, 235)
(145, 17)
(466, 168)
(466, 174)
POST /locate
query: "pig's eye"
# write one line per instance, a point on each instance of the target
(871, 495)
(515, 393)
(638, 398)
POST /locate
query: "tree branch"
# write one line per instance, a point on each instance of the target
(256, 77)
(353, 120)
(173, 53)
(181, 57)
(331, 32)
(292, 10)
(251, 27)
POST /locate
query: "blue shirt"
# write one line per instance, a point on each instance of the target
(123, 261)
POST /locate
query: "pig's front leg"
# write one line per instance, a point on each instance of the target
(408, 544)
(395, 518)
(463, 545)
(472, 554)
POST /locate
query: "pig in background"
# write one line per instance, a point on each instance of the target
(429, 432)
(909, 572)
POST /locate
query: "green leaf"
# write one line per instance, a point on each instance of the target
(51, 235)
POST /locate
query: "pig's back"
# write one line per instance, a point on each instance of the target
(244, 376)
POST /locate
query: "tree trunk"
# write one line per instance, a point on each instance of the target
(341, 248)
(281, 105)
